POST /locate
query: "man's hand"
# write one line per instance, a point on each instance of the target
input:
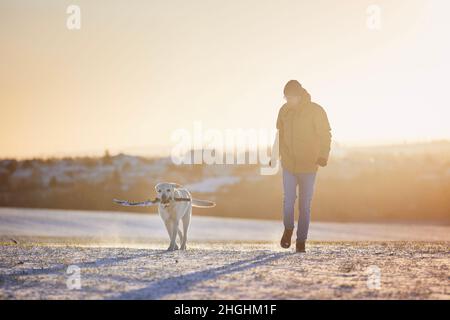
(322, 162)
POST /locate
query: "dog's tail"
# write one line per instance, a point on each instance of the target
(202, 203)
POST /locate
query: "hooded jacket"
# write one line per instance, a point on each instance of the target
(304, 135)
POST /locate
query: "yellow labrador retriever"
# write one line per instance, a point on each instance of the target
(174, 205)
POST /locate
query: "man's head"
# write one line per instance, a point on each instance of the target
(292, 92)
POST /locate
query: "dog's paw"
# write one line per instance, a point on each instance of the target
(172, 248)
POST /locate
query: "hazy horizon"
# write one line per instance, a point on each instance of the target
(136, 72)
(164, 151)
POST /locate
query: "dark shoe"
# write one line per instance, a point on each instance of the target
(300, 246)
(286, 238)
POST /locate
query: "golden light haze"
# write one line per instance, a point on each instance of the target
(138, 70)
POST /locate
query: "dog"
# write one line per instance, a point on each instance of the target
(174, 205)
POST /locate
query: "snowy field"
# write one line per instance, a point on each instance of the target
(123, 256)
(118, 227)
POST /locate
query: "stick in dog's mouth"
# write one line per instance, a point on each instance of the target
(149, 202)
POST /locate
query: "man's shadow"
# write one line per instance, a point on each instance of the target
(183, 283)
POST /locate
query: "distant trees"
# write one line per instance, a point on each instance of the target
(4, 179)
(89, 162)
(53, 183)
(11, 166)
(115, 178)
(26, 164)
(106, 159)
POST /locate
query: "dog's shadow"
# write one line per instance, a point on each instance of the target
(59, 269)
(183, 283)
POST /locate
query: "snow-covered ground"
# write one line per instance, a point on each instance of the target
(344, 270)
(117, 226)
(212, 184)
(62, 254)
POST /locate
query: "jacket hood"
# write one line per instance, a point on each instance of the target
(305, 98)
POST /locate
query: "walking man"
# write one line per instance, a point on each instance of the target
(303, 144)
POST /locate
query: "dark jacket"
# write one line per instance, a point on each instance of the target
(304, 135)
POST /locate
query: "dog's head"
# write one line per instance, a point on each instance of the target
(166, 191)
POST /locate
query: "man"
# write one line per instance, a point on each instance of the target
(303, 144)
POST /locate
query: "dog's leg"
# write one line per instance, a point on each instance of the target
(169, 226)
(173, 238)
(180, 235)
(186, 222)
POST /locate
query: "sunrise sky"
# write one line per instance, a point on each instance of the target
(138, 70)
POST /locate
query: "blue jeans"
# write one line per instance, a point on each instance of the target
(305, 181)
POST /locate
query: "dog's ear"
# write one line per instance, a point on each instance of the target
(176, 185)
